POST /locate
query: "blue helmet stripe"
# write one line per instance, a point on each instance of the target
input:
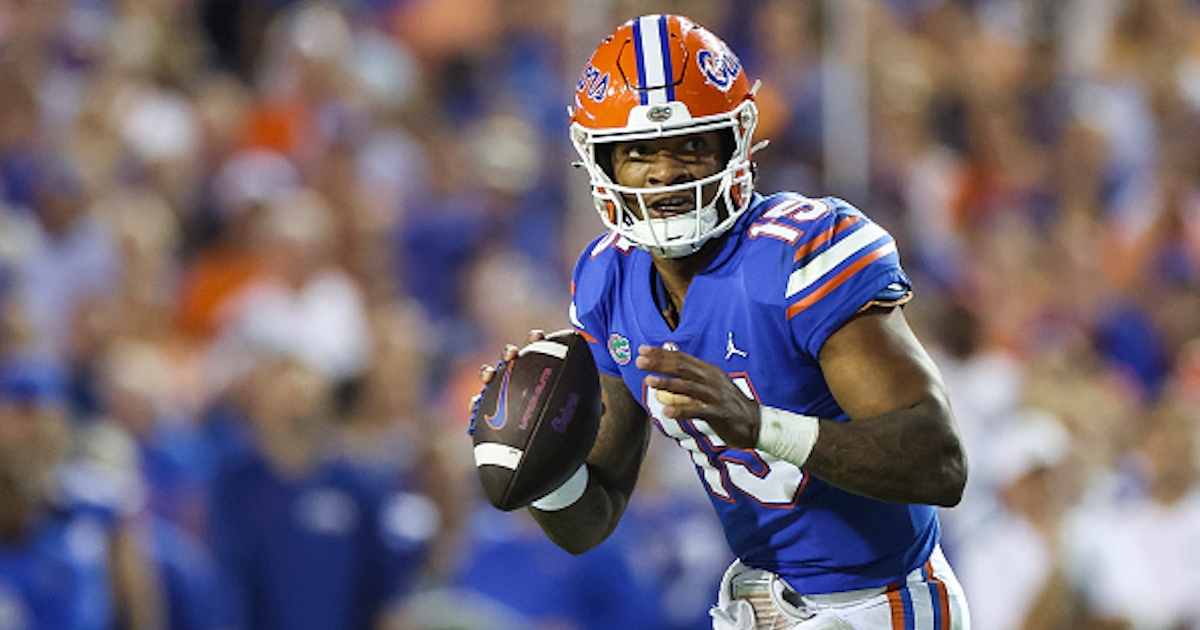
(641, 61)
(653, 70)
(664, 37)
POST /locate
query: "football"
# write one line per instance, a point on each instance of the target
(536, 420)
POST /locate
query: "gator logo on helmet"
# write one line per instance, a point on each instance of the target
(720, 67)
(660, 113)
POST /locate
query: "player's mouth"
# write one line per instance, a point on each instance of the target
(671, 205)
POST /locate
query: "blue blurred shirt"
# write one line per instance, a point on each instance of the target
(512, 562)
(298, 554)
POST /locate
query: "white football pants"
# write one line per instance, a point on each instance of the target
(930, 599)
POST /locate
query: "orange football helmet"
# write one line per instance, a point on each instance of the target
(659, 76)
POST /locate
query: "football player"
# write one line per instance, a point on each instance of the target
(764, 334)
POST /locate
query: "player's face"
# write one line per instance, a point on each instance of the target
(666, 162)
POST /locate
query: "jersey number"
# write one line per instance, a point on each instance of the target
(777, 222)
(769, 481)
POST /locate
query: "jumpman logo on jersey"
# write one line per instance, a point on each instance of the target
(731, 349)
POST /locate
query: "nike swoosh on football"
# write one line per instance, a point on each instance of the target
(499, 417)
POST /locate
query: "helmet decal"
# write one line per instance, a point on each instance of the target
(593, 83)
(659, 113)
(721, 68)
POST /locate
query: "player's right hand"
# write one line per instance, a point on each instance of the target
(689, 387)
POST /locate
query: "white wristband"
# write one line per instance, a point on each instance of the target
(567, 494)
(786, 435)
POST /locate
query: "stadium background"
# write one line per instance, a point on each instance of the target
(247, 231)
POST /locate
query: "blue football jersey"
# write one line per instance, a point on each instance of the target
(793, 270)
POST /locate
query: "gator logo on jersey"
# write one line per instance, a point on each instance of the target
(720, 67)
(620, 349)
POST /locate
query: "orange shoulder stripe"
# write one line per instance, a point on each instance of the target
(808, 247)
(837, 280)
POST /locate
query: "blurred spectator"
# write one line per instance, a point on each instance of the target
(513, 563)
(985, 385)
(302, 539)
(387, 430)
(242, 187)
(787, 46)
(40, 586)
(1013, 562)
(71, 265)
(135, 388)
(302, 304)
(79, 516)
(391, 435)
(1134, 545)
(37, 588)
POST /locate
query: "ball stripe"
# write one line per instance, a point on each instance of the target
(497, 454)
(545, 346)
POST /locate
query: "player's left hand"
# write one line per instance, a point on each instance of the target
(487, 372)
(692, 388)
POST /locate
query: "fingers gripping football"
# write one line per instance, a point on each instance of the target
(691, 388)
(488, 372)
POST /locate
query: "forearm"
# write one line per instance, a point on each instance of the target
(910, 455)
(612, 469)
(588, 521)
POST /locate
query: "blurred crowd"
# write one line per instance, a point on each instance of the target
(254, 252)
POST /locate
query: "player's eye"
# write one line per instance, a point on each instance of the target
(694, 145)
(636, 152)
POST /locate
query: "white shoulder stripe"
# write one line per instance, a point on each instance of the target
(545, 346)
(573, 315)
(839, 253)
(497, 454)
(603, 243)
